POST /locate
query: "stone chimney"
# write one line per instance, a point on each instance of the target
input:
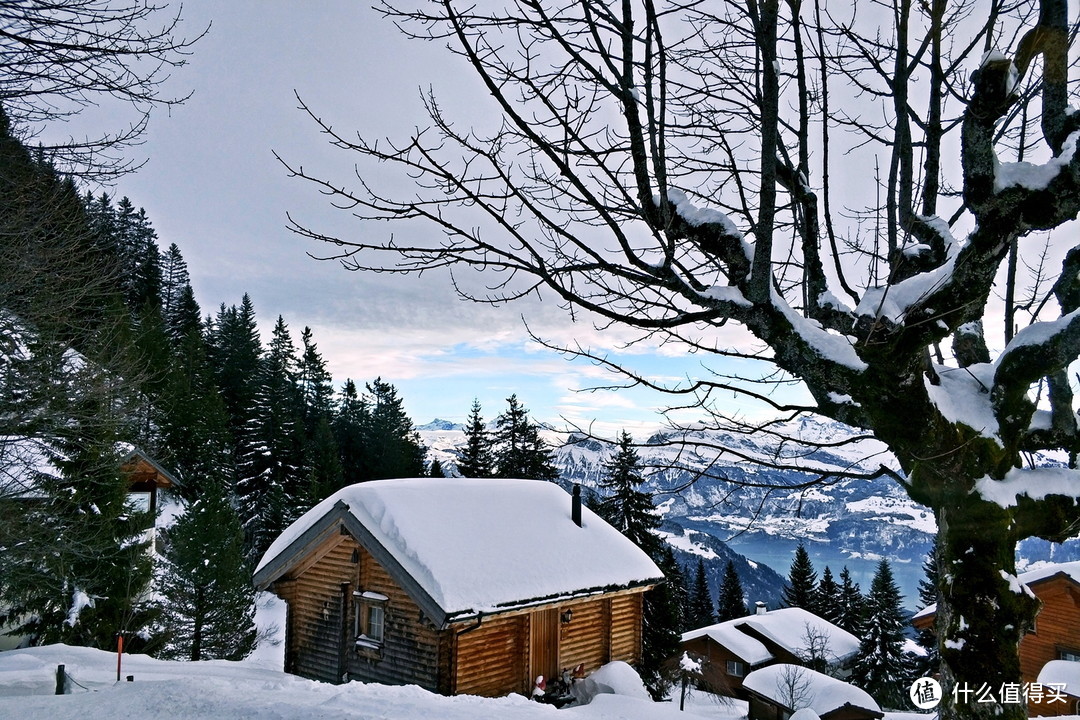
(575, 505)
(759, 608)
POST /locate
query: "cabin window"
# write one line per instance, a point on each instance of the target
(1069, 654)
(369, 619)
(736, 668)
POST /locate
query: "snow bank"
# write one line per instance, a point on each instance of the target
(615, 678)
(224, 690)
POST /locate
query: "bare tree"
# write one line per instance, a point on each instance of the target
(674, 167)
(57, 58)
(794, 688)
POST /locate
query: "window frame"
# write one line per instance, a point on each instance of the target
(369, 613)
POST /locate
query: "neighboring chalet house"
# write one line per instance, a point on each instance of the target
(456, 585)
(778, 691)
(730, 650)
(1056, 635)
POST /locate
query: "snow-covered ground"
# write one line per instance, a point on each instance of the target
(224, 690)
(257, 688)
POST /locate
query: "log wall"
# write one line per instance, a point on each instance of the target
(491, 660)
(411, 644)
(586, 638)
(626, 628)
(316, 613)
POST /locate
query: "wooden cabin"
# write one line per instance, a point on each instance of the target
(1056, 635)
(778, 691)
(730, 650)
(456, 585)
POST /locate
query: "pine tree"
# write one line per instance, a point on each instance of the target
(475, 458)
(882, 668)
(194, 425)
(321, 456)
(271, 478)
(519, 451)
(392, 447)
(801, 588)
(625, 506)
(348, 425)
(701, 604)
(851, 606)
(236, 352)
(662, 620)
(81, 569)
(828, 596)
(731, 603)
(137, 241)
(435, 470)
(207, 600)
(631, 512)
(178, 306)
(928, 595)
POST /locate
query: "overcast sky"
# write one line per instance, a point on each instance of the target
(213, 186)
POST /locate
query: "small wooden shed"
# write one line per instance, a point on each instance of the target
(456, 585)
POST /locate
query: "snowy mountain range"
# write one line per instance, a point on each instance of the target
(733, 504)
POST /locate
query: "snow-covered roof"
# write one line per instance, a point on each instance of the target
(1064, 674)
(813, 690)
(792, 629)
(472, 545)
(739, 643)
(796, 629)
(1027, 579)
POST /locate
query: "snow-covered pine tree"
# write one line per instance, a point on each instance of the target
(475, 459)
(206, 597)
(828, 596)
(236, 351)
(801, 588)
(623, 504)
(81, 568)
(701, 603)
(519, 451)
(882, 668)
(731, 603)
(271, 480)
(630, 510)
(662, 619)
(852, 603)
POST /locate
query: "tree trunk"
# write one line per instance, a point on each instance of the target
(982, 613)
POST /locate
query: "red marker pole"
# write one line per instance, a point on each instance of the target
(119, 653)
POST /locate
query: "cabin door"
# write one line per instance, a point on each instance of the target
(544, 643)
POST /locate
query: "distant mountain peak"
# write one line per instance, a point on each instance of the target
(440, 424)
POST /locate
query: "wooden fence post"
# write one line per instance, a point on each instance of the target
(61, 680)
